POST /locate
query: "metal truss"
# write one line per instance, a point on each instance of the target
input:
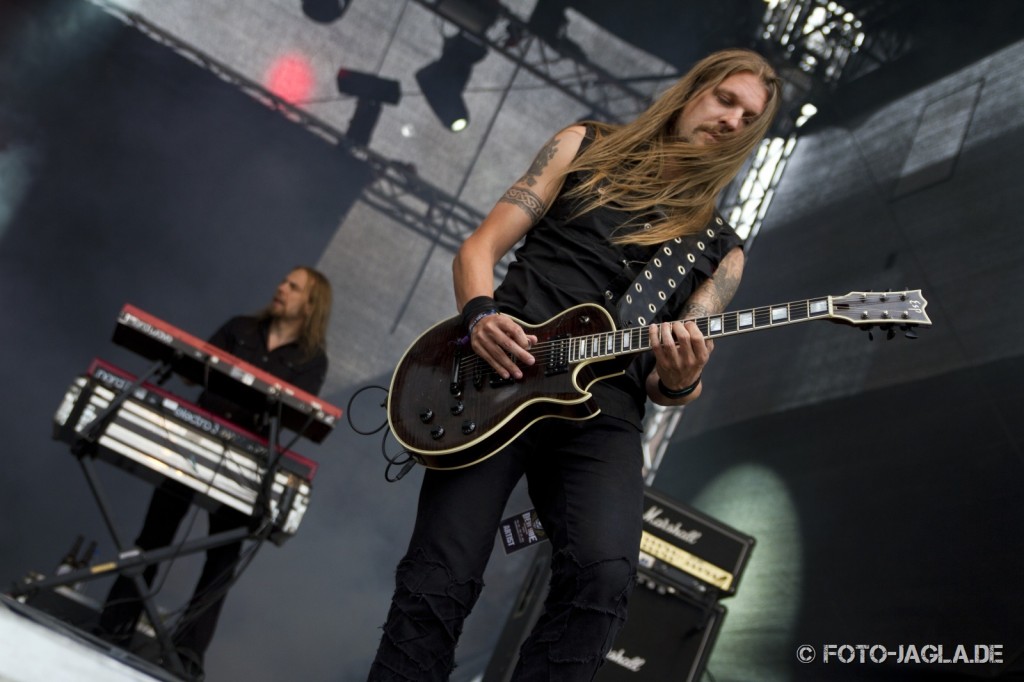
(395, 190)
(832, 44)
(884, 39)
(557, 60)
(817, 46)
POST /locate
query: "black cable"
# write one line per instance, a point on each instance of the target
(349, 410)
(397, 460)
(403, 459)
(189, 518)
(206, 600)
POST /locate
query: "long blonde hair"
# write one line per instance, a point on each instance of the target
(313, 338)
(314, 331)
(627, 166)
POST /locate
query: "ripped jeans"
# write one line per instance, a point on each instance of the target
(586, 482)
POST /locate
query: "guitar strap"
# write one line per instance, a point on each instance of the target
(654, 286)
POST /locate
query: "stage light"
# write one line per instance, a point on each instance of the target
(324, 11)
(367, 86)
(291, 78)
(373, 92)
(443, 81)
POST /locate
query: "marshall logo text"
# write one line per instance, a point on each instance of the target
(653, 517)
(632, 663)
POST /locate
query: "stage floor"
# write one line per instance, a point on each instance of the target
(35, 645)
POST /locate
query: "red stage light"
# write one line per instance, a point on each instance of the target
(290, 77)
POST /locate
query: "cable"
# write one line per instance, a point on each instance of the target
(349, 410)
(403, 459)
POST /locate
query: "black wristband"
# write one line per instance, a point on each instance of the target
(477, 307)
(681, 393)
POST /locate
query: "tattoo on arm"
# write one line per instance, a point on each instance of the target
(725, 282)
(714, 295)
(544, 157)
(694, 310)
(526, 200)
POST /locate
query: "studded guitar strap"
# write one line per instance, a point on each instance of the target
(656, 283)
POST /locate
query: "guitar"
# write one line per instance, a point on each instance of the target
(449, 409)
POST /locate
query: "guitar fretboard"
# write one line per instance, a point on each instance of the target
(637, 339)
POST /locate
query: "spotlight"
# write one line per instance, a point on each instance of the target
(443, 81)
(370, 87)
(373, 92)
(324, 11)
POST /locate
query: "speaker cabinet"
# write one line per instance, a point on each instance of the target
(668, 636)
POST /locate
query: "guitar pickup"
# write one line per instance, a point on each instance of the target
(558, 360)
(497, 382)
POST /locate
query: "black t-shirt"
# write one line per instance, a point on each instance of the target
(245, 337)
(568, 260)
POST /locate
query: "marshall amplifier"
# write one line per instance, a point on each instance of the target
(667, 638)
(689, 550)
(687, 561)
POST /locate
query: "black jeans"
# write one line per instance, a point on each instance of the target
(585, 480)
(168, 506)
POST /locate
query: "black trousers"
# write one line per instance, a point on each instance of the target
(195, 629)
(585, 479)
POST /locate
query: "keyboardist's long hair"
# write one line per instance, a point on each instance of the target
(313, 338)
(314, 331)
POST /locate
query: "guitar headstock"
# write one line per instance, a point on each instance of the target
(870, 308)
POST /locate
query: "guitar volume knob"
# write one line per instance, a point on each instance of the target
(426, 415)
(468, 426)
(458, 408)
(437, 433)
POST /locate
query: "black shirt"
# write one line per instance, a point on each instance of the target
(568, 260)
(245, 337)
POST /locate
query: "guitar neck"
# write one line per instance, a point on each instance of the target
(637, 339)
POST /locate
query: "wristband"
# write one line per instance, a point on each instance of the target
(472, 323)
(477, 309)
(681, 393)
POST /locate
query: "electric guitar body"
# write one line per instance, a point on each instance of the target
(450, 409)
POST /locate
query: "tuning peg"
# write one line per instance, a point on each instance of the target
(908, 331)
(890, 335)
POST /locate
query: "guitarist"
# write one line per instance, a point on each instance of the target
(594, 208)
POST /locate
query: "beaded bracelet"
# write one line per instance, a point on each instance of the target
(472, 323)
(681, 393)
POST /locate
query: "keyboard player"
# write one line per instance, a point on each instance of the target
(286, 339)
